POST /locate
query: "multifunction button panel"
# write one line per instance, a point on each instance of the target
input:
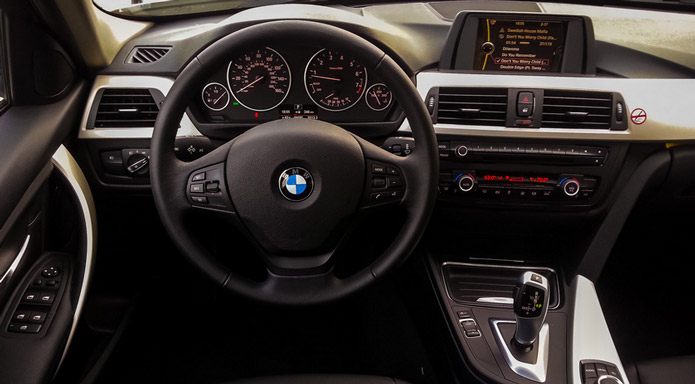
(206, 188)
(600, 372)
(40, 298)
(385, 183)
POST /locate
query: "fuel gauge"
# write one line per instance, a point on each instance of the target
(215, 96)
(378, 97)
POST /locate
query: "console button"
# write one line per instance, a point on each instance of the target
(21, 316)
(601, 370)
(589, 371)
(24, 328)
(524, 110)
(37, 317)
(523, 122)
(463, 314)
(46, 298)
(30, 297)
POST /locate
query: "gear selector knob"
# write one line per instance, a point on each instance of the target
(531, 297)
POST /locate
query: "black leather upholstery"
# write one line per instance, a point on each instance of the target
(674, 370)
(320, 379)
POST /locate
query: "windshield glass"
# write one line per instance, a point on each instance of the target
(148, 8)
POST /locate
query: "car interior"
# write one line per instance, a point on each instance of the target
(347, 191)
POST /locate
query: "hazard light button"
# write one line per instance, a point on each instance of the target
(524, 104)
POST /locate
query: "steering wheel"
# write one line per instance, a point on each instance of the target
(294, 185)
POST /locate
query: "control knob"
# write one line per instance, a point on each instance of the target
(138, 164)
(466, 183)
(461, 151)
(570, 187)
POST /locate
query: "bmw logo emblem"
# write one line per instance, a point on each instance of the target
(296, 184)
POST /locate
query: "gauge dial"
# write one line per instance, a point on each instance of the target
(216, 96)
(259, 80)
(333, 81)
(378, 97)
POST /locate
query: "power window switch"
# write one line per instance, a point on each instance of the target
(24, 328)
(30, 297)
(37, 317)
(21, 316)
(46, 298)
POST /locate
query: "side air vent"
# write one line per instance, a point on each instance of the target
(577, 109)
(126, 108)
(472, 106)
(491, 285)
(146, 55)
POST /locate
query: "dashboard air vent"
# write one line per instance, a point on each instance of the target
(146, 55)
(472, 106)
(126, 108)
(577, 109)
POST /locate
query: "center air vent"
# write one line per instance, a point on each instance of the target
(577, 109)
(472, 106)
(146, 55)
(126, 108)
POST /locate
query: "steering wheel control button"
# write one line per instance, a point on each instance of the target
(197, 188)
(379, 182)
(199, 199)
(212, 187)
(392, 171)
(51, 271)
(198, 176)
(394, 182)
(378, 169)
(296, 184)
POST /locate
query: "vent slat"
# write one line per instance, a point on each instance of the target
(472, 106)
(577, 109)
(147, 55)
(126, 108)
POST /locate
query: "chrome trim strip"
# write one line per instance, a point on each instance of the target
(15, 263)
(591, 339)
(66, 164)
(496, 300)
(163, 84)
(535, 372)
(525, 267)
(666, 101)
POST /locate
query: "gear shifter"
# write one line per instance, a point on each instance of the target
(531, 298)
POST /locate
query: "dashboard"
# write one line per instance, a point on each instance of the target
(547, 116)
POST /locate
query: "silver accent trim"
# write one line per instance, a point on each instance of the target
(591, 339)
(163, 84)
(535, 372)
(524, 267)
(66, 164)
(15, 263)
(667, 102)
(496, 300)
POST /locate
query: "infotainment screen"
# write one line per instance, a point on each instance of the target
(519, 45)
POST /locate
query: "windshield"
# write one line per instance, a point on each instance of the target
(169, 8)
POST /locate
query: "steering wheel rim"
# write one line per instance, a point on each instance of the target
(171, 177)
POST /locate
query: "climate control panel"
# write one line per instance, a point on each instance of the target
(563, 187)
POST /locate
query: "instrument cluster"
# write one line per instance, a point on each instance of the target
(269, 83)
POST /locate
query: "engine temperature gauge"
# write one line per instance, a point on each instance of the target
(378, 97)
(215, 96)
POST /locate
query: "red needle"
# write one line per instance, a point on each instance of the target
(325, 78)
(251, 83)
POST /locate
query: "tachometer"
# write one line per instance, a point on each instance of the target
(334, 81)
(259, 80)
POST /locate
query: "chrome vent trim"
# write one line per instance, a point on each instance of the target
(147, 55)
(126, 108)
(472, 106)
(577, 109)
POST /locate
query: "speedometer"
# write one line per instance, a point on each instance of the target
(259, 80)
(334, 81)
